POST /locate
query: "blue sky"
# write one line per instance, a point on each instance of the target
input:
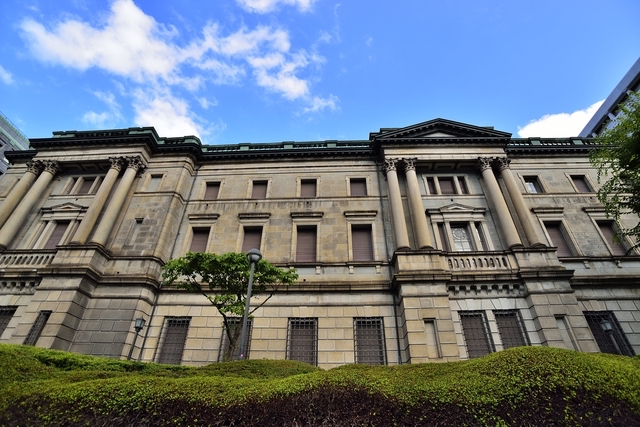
(235, 71)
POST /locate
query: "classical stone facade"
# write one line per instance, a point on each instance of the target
(435, 242)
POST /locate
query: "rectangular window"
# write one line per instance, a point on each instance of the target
(252, 238)
(37, 327)
(431, 186)
(358, 186)
(308, 188)
(154, 183)
(200, 239)
(476, 333)
(433, 346)
(443, 237)
(302, 340)
(212, 190)
(175, 337)
(6, 313)
(612, 240)
(580, 182)
(608, 333)
(235, 324)
(306, 243)
(259, 190)
(554, 229)
(462, 183)
(446, 186)
(369, 340)
(511, 328)
(532, 185)
(462, 240)
(87, 183)
(56, 235)
(362, 243)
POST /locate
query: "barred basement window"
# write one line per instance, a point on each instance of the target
(36, 329)
(511, 328)
(608, 333)
(369, 340)
(6, 313)
(174, 339)
(476, 333)
(235, 324)
(302, 340)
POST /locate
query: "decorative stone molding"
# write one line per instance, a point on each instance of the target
(502, 163)
(360, 214)
(254, 215)
(390, 164)
(409, 164)
(484, 163)
(52, 166)
(117, 163)
(136, 163)
(307, 215)
(35, 167)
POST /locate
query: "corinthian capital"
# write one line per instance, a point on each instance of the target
(390, 164)
(117, 163)
(35, 167)
(409, 164)
(502, 163)
(135, 163)
(484, 163)
(52, 166)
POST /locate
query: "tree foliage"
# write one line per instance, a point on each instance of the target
(617, 160)
(226, 276)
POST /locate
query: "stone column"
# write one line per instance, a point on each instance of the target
(502, 211)
(395, 201)
(82, 233)
(13, 223)
(134, 164)
(415, 205)
(532, 233)
(20, 189)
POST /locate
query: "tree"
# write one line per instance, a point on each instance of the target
(227, 277)
(617, 160)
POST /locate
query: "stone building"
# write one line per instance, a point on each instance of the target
(438, 241)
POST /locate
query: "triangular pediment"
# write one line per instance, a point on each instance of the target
(457, 208)
(65, 207)
(438, 129)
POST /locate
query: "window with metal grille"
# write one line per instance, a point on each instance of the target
(174, 339)
(200, 239)
(308, 188)
(212, 190)
(56, 235)
(361, 242)
(369, 340)
(581, 184)
(358, 186)
(476, 333)
(532, 185)
(554, 229)
(235, 324)
(612, 240)
(259, 190)
(306, 243)
(608, 333)
(511, 328)
(302, 340)
(6, 313)
(37, 327)
(252, 238)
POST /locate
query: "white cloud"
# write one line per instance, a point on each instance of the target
(6, 76)
(265, 6)
(559, 125)
(104, 119)
(169, 114)
(319, 104)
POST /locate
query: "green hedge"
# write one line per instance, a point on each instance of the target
(522, 386)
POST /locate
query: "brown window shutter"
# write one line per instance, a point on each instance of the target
(308, 188)
(211, 193)
(252, 238)
(446, 186)
(362, 243)
(56, 236)
(581, 184)
(610, 236)
(259, 190)
(86, 186)
(200, 239)
(358, 186)
(306, 244)
(558, 240)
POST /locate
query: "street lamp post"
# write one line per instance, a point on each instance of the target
(138, 327)
(253, 256)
